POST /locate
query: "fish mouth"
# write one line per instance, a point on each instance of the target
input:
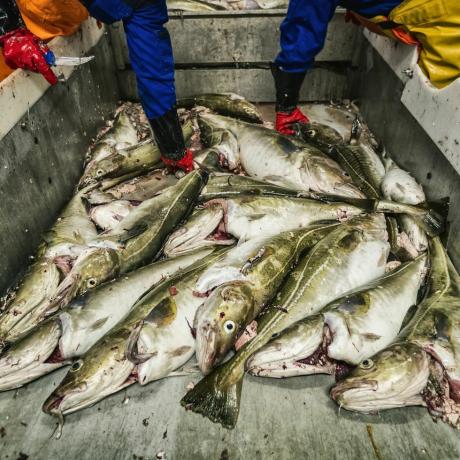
(338, 392)
(206, 354)
(66, 291)
(211, 233)
(52, 405)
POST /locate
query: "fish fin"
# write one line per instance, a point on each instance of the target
(131, 233)
(131, 353)
(408, 316)
(163, 313)
(371, 336)
(216, 398)
(434, 221)
(99, 323)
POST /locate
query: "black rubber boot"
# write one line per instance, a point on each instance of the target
(287, 85)
(168, 134)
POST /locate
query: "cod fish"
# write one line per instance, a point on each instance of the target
(151, 342)
(398, 185)
(229, 104)
(73, 331)
(244, 280)
(108, 216)
(121, 135)
(231, 185)
(138, 158)
(350, 256)
(61, 244)
(358, 159)
(248, 217)
(140, 188)
(133, 243)
(422, 366)
(348, 330)
(269, 156)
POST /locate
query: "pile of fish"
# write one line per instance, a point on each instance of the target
(277, 256)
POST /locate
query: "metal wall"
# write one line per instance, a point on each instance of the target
(42, 157)
(230, 52)
(378, 91)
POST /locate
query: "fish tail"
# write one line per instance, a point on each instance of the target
(217, 397)
(434, 221)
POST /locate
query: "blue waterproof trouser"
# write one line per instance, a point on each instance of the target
(304, 29)
(150, 49)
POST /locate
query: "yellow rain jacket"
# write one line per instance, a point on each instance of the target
(48, 19)
(433, 25)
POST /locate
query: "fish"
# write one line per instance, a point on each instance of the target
(415, 232)
(350, 256)
(398, 185)
(357, 158)
(135, 241)
(269, 156)
(248, 217)
(232, 185)
(421, 367)
(138, 189)
(108, 216)
(138, 158)
(121, 135)
(75, 329)
(349, 330)
(229, 104)
(199, 231)
(242, 283)
(33, 296)
(147, 345)
(322, 136)
(60, 245)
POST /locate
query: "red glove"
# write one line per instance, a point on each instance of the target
(185, 163)
(285, 120)
(22, 49)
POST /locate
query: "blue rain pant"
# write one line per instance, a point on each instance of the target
(150, 49)
(304, 29)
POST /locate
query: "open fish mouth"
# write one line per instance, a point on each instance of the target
(67, 290)
(209, 231)
(206, 348)
(31, 357)
(344, 391)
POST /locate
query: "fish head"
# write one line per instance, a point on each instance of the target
(31, 356)
(218, 322)
(92, 268)
(319, 133)
(392, 378)
(329, 177)
(102, 371)
(97, 170)
(201, 229)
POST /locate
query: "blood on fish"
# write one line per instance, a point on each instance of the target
(55, 357)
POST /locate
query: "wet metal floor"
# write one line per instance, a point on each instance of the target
(279, 419)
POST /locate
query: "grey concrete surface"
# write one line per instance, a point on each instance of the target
(378, 91)
(41, 158)
(287, 419)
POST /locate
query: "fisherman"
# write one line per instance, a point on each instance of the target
(431, 25)
(26, 25)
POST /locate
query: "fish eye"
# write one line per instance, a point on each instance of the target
(229, 326)
(311, 132)
(99, 172)
(366, 364)
(76, 366)
(91, 283)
